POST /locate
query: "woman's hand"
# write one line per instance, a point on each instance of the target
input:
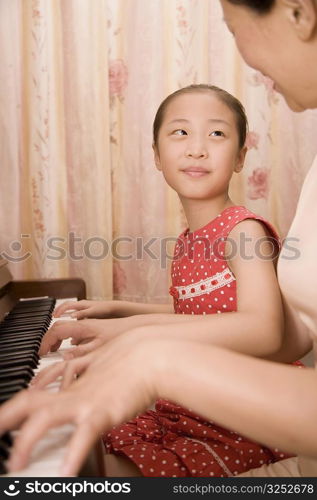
(68, 371)
(88, 309)
(84, 354)
(119, 382)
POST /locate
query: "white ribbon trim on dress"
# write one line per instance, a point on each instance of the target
(206, 285)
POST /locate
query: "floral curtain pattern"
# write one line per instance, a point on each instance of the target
(80, 82)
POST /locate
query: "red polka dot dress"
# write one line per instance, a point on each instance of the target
(173, 441)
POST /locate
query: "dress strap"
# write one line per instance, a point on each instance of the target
(237, 214)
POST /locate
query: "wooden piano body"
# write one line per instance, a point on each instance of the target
(10, 293)
(12, 290)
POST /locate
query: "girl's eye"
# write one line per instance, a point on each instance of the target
(179, 132)
(217, 133)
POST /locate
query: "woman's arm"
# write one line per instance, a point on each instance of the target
(271, 403)
(296, 341)
(262, 400)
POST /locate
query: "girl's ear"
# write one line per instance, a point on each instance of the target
(156, 157)
(240, 159)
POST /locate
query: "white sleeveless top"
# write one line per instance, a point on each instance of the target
(297, 272)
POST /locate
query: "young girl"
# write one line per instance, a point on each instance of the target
(219, 263)
(199, 137)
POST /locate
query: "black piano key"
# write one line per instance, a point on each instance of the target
(20, 306)
(11, 339)
(6, 441)
(26, 321)
(7, 438)
(6, 371)
(18, 317)
(21, 333)
(7, 385)
(8, 393)
(29, 307)
(27, 311)
(9, 361)
(4, 357)
(16, 373)
(4, 450)
(22, 329)
(24, 348)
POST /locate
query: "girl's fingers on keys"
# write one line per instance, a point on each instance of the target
(69, 305)
(81, 313)
(53, 338)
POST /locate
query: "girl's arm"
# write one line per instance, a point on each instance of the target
(101, 309)
(256, 328)
(262, 325)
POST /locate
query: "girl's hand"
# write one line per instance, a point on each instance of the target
(87, 309)
(81, 331)
(86, 334)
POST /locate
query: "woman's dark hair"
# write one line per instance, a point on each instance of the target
(260, 6)
(232, 102)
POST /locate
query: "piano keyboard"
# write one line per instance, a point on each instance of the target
(48, 454)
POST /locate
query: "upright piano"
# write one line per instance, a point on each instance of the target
(26, 308)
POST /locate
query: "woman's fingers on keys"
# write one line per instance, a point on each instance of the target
(48, 375)
(72, 370)
(44, 413)
(14, 411)
(80, 444)
(81, 350)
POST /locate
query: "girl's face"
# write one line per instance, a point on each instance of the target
(198, 146)
(274, 44)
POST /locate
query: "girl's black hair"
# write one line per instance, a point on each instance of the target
(260, 6)
(232, 102)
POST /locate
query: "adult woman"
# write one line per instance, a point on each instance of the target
(263, 400)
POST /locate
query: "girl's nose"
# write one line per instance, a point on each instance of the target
(196, 150)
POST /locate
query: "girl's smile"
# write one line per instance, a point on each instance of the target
(196, 171)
